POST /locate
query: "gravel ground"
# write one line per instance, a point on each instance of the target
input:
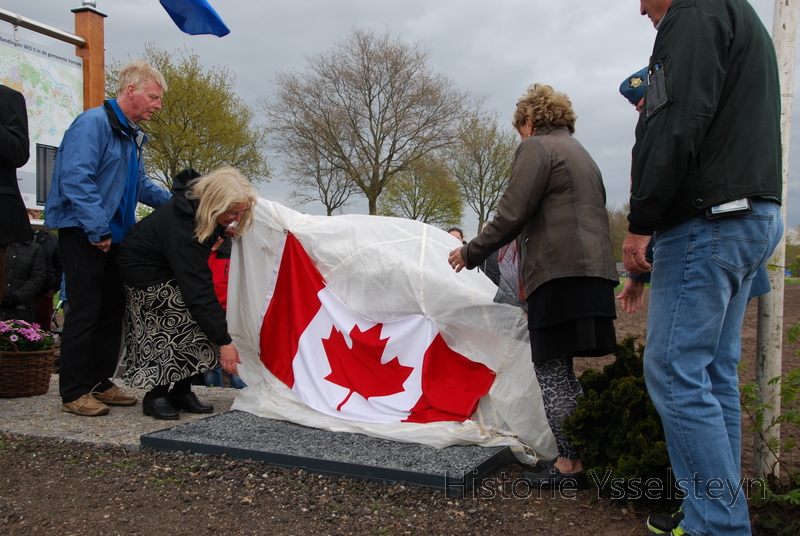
(244, 435)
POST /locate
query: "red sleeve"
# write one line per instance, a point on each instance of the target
(219, 273)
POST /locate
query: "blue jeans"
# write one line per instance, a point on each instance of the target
(702, 273)
(213, 378)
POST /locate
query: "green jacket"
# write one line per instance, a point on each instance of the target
(710, 129)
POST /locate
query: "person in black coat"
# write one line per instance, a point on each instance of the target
(175, 325)
(14, 153)
(55, 270)
(24, 274)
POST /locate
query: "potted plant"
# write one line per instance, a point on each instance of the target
(26, 359)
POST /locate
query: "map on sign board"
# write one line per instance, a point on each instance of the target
(51, 80)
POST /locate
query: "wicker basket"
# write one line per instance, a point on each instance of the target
(25, 373)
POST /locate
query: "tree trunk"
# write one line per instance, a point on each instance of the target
(770, 306)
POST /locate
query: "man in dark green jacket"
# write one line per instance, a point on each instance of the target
(707, 186)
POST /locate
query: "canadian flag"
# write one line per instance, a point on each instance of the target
(350, 367)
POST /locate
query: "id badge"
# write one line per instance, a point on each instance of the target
(731, 208)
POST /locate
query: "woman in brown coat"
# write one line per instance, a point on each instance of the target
(555, 206)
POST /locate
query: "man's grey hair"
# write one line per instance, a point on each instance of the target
(137, 73)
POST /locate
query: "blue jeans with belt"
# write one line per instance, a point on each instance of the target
(702, 273)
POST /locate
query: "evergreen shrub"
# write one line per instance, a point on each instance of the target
(620, 432)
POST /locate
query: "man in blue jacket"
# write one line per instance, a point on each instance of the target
(707, 186)
(98, 180)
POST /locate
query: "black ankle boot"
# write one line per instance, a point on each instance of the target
(189, 402)
(159, 407)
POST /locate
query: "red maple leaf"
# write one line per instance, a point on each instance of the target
(359, 368)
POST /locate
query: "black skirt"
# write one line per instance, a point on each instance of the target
(572, 316)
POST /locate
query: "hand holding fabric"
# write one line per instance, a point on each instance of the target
(229, 356)
(456, 260)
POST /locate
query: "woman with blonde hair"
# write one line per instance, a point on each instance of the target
(175, 325)
(555, 206)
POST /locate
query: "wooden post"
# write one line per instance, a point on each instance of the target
(89, 24)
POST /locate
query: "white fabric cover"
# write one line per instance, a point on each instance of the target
(383, 268)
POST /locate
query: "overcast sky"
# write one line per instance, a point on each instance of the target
(584, 48)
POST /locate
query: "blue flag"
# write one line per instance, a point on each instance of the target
(195, 17)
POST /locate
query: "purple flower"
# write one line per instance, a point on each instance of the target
(30, 334)
(20, 336)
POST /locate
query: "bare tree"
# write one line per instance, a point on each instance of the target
(481, 163)
(425, 192)
(316, 179)
(370, 107)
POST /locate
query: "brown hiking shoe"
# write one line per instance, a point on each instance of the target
(114, 397)
(87, 405)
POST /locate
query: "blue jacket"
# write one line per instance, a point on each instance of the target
(90, 174)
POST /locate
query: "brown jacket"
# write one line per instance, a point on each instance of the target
(555, 203)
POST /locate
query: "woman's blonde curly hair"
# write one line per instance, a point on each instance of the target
(546, 107)
(219, 192)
